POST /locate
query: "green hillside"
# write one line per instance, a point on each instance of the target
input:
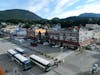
(18, 14)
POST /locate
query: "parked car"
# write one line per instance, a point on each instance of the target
(56, 46)
(45, 43)
(52, 45)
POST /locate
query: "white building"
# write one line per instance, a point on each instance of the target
(96, 29)
(20, 32)
(15, 30)
(72, 36)
(57, 26)
(93, 26)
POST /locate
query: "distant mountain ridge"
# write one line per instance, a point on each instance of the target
(18, 14)
(89, 15)
(82, 19)
(83, 16)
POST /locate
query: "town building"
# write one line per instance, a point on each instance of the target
(96, 29)
(93, 26)
(36, 32)
(71, 37)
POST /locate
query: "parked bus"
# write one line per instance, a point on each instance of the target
(11, 52)
(46, 65)
(23, 61)
(20, 50)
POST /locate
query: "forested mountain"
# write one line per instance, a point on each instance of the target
(89, 15)
(18, 14)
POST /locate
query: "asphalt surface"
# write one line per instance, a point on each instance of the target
(75, 63)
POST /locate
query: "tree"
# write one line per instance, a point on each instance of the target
(27, 26)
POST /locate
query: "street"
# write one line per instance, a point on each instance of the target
(74, 62)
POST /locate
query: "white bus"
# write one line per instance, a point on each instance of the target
(11, 52)
(46, 65)
(23, 61)
(20, 50)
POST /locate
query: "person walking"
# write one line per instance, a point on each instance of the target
(94, 68)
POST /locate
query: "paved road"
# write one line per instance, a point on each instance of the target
(4, 46)
(63, 55)
(73, 64)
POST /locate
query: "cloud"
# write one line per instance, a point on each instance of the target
(46, 10)
(88, 1)
(89, 8)
(60, 6)
(52, 0)
(36, 6)
(44, 5)
(72, 2)
(53, 8)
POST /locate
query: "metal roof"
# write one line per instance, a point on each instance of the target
(43, 61)
(12, 52)
(21, 58)
(19, 49)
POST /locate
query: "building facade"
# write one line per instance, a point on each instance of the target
(72, 37)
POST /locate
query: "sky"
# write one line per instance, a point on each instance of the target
(49, 9)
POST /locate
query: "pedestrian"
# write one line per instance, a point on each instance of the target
(94, 68)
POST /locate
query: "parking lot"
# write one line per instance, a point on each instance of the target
(74, 62)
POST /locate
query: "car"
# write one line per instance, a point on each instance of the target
(56, 46)
(52, 44)
(45, 43)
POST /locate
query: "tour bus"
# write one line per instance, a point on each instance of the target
(20, 50)
(11, 53)
(46, 65)
(23, 61)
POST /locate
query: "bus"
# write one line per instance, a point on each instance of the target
(23, 61)
(19, 50)
(11, 52)
(46, 65)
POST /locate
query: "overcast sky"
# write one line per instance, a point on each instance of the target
(53, 8)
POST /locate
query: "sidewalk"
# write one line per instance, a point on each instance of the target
(64, 71)
(93, 52)
(64, 54)
(61, 55)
